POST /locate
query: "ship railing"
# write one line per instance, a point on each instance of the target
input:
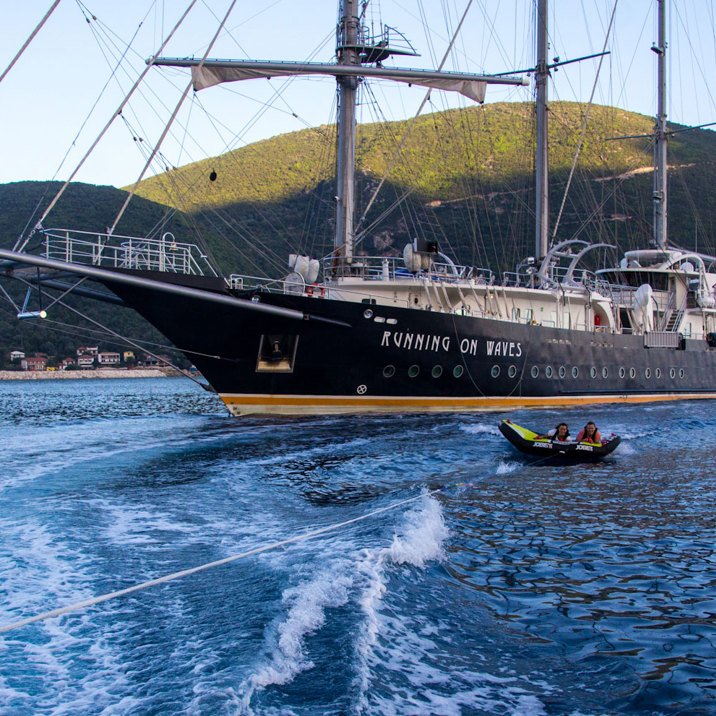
(297, 287)
(164, 254)
(662, 339)
(389, 268)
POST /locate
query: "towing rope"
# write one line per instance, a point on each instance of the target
(258, 550)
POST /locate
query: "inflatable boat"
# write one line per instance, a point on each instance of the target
(529, 443)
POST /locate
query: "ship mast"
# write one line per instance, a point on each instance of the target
(542, 149)
(347, 53)
(660, 134)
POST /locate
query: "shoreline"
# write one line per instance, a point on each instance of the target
(89, 373)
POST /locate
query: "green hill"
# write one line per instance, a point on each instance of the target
(470, 177)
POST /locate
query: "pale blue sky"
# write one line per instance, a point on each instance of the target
(53, 88)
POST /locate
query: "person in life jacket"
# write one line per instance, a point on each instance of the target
(589, 434)
(560, 433)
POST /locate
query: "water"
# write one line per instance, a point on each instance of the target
(534, 589)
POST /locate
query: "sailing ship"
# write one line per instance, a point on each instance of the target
(356, 333)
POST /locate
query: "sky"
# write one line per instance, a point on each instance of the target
(69, 82)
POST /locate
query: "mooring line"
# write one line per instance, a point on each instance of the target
(77, 606)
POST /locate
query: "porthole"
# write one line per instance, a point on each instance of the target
(495, 371)
(535, 371)
(647, 373)
(548, 371)
(672, 373)
(632, 372)
(575, 372)
(593, 372)
(622, 372)
(657, 373)
(389, 371)
(562, 371)
(437, 371)
(681, 373)
(368, 313)
(457, 371)
(413, 371)
(605, 372)
(512, 371)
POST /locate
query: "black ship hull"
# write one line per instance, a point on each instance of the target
(353, 357)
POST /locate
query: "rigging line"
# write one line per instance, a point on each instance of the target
(70, 329)
(694, 56)
(116, 114)
(414, 119)
(101, 93)
(129, 341)
(29, 39)
(171, 119)
(9, 298)
(584, 123)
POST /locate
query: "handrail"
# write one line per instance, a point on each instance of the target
(130, 252)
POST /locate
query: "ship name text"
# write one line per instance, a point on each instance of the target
(429, 342)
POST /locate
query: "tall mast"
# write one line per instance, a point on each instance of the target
(660, 135)
(542, 158)
(347, 52)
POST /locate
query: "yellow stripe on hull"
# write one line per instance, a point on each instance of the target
(252, 404)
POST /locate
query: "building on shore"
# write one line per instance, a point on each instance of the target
(87, 350)
(85, 361)
(107, 358)
(17, 355)
(36, 362)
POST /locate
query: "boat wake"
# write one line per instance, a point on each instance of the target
(356, 582)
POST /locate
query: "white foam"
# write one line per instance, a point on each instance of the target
(307, 604)
(480, 429)
(506, 467)
(52, 574)
(359, 576)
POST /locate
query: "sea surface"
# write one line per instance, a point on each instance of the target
(528, 589)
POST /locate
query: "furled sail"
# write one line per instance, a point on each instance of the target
(209, 75)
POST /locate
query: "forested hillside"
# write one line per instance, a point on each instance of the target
(468, 177)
